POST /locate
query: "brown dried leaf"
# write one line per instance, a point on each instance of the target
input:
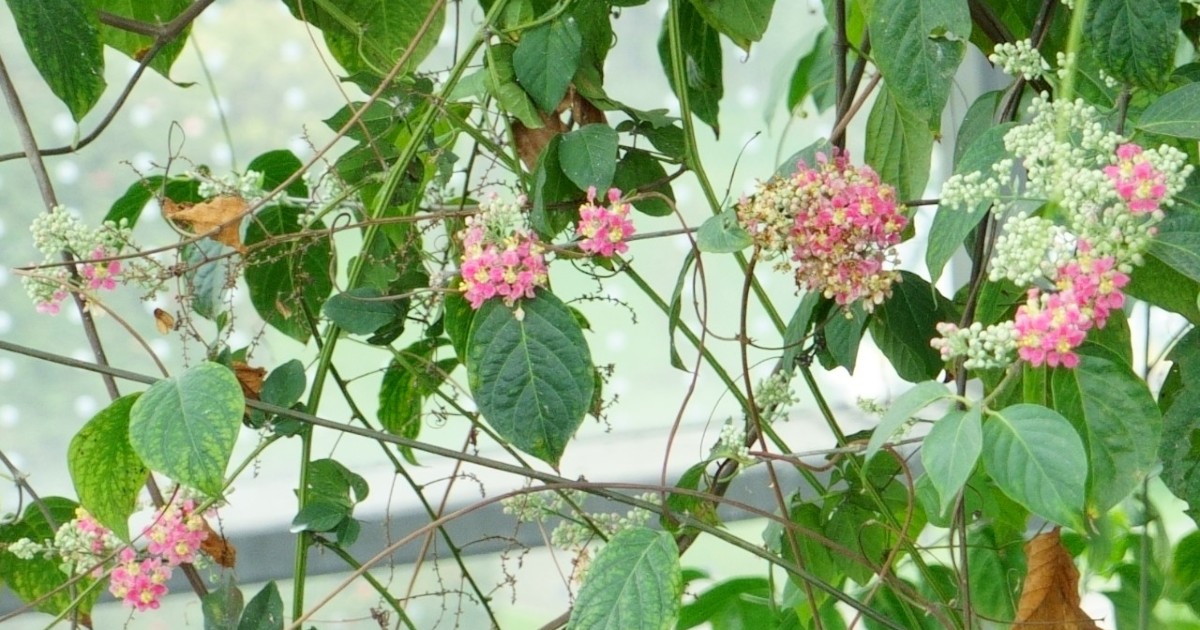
(531, 142)
(163, 321)
(218, 548)
(223, 214)
(583, 112)
(1050, 595)
(250, 378)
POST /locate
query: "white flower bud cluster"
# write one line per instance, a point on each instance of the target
(991, 347)
(26, 549)
(775, 395)
(575, 534)
(732, 443)
(82, 549)
(248, 185)
(768, 217)
(1064, 64)
(870, 406)
(58, 231)
(1029, 249)
(1019, 58)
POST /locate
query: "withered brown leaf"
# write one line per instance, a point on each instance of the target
(250, 378)
(1050, 595)
(223, 214)
(531, 142)
(163, 321)
(218, 548)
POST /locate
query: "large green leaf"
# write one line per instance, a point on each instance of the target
(360, 311)
(411, 377)
(814, 75)
(40, 577)
(129, 206)
(903, 326)
(371, 35)
(950, 452)
(545, 60)
(551, 187)
(634, 584)
(995, 565)
(588, 156)
(276, 167)
(1177, 243)
(701, 48)
(924, 43)
(1180, 449)
(839, 335)
(1160, 285)
(148, 12)
(264, 611)
(62, 38)
(899, 146)
(1038, 460)
(1134, 40)
(1113, 411)
(278, 274)
(222, 607)
(742, 21)
(797, 331)
(185, 426)
(639, 172)
(1176, 114)
(531, 373)
(952, 225)
(104, 468)
(910, 402)
(502, 83)
(208, 276)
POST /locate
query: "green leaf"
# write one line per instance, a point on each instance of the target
(1160, 285)
(551, 187)
(104, 468)
(742, 21)
(903, 326)
(276, 166)
(1113, 411)
(222, 607)
(813, 75)
(634, 584)
(38, 577)
(545, 60)
(950, 452)
(924, 43)
(411, 377)
(185, 426)
(910, 402)
(360, 311)
(1038, 460)
(134, 45)
(675, 310)
(289, 276)
(588, 156)
(458, 316)
(638, 172)
(531, 375)
(899, 146)
(371, 35)
(62, 38)
(502, 83)
(995, 565)
(721, 234)
(1177, 243)
(265, 610)
(1180, 449)
(1175, 114)
(701, 48)
(284, 385)
(330, 481)
(808, 155)
(797, 330)
(840, 335)
(130, 205)
(208, 276)
(319, 516)
(1134, 40)
(952, 225)
(744, 602)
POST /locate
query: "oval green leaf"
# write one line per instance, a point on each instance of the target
(910, 402)
(265, 610)
(531, 375)
(925, 42)
(1038, 460)
(899, 145)
(701, 48)
(634, 584)
(903, 326)
(950, 452)
(185, 426)
(639, 172)
(63, 41)
(1121, 425)
(294, 268)
(588, 156)
(40, 579)
(721, 234)
(371, 35)
(360, 311)
(1176, 114)
(1134, 40)
(545, 60)
(104, 468)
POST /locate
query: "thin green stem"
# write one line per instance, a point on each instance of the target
(379, 587)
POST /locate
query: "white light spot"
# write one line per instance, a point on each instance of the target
(294, 98)
(300, 147)
(215, 59)
(82, 354)
(215, 109)
(749, 96)
(619, 385)
(237, 339)
(86, 406)
(8, 369)
(140, 115)
(161, 348)
(63, 126)
(9, 416)
(67, 172)
(616, 340)
(143, 161)
(1, 230)
(221, 155)
(6, 322)
(194, 126)
(290, 51)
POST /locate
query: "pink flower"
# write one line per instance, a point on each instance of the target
(510, 267)
(604, 230)
(53, 305)
(844, 225)
(101, 275)
(1136, 180)
(177, 533)
(140, 585)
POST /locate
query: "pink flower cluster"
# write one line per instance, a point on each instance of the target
(1137, 181)
(54, 304)
(510, 267)
(101, 275)
(604, 230)
(1049, 326)
(845, 224)
(175, 536)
